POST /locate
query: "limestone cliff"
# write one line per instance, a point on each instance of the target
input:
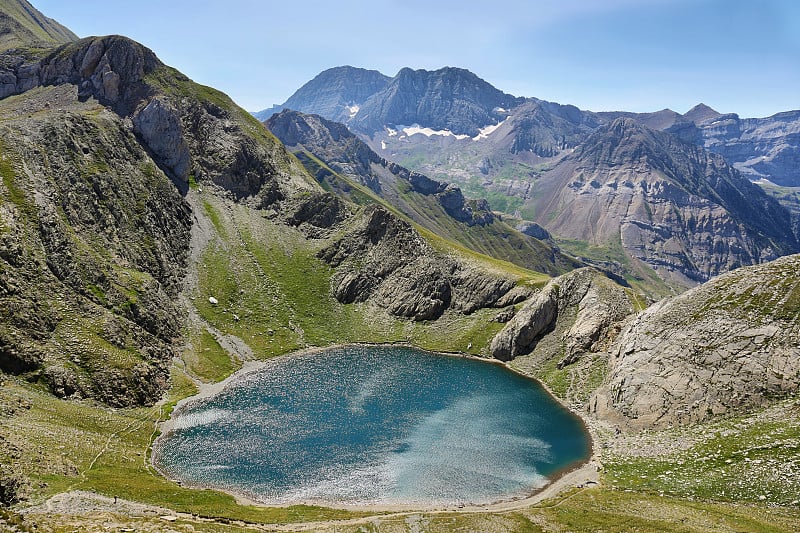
(594, 304)
(667, 203)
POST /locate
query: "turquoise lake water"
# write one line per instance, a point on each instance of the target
(374, 425)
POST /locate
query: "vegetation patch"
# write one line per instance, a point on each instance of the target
(744, 459)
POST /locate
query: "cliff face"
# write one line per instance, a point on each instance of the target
(729, 345)
(382, 259)
(767, 148)
(670, 204)
(594, 304)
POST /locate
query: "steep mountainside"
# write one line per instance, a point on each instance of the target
(449, 99)
(503, 160)
(98, 144)
(760, 148)
(22, 25)
(729, 345)
(767, 148)
(669, 204)
(438, 207)
(336, 93)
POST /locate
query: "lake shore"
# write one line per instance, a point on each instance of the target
(585, 473)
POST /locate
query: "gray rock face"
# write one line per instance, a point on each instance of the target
(382, 259)
(334, 94)
(760, 148)
(447, 99)
(159, 126)
(766, 148)
(670, 204)
(600, 305)
(726, 346)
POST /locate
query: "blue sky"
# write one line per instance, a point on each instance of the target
(638, 55)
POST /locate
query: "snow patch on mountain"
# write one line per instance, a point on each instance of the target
(488, 130)
(428, 132)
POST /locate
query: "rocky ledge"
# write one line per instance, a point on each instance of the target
(384, 260)
(598, 303)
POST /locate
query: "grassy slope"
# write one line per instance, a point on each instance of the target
(19, 28)
(251, 261)
(267, 276)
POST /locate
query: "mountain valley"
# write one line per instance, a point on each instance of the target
(156, 238)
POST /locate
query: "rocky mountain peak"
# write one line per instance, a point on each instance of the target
(701, 113)
(336, 93)
(623, 141)
(451, 99)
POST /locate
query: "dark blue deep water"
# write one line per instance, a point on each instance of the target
(374, 425)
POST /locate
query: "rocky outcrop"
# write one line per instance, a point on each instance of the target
(188, 129)
(317, 214)
(383, 260)
(599, 306)
(727, 346)
(159, 126)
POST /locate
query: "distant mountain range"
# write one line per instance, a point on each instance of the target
(340, 161)
(638, 193)
(452, 102)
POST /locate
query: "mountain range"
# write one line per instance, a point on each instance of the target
(532, 159)
(155, 238)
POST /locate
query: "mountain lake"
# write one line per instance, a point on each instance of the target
(373, 425)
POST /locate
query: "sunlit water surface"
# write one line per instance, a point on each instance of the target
(374, 425)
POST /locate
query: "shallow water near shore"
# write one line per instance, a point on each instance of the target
(374, 425)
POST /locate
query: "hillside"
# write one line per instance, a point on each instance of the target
(22, 25)
(727, 346)
(437, 207)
